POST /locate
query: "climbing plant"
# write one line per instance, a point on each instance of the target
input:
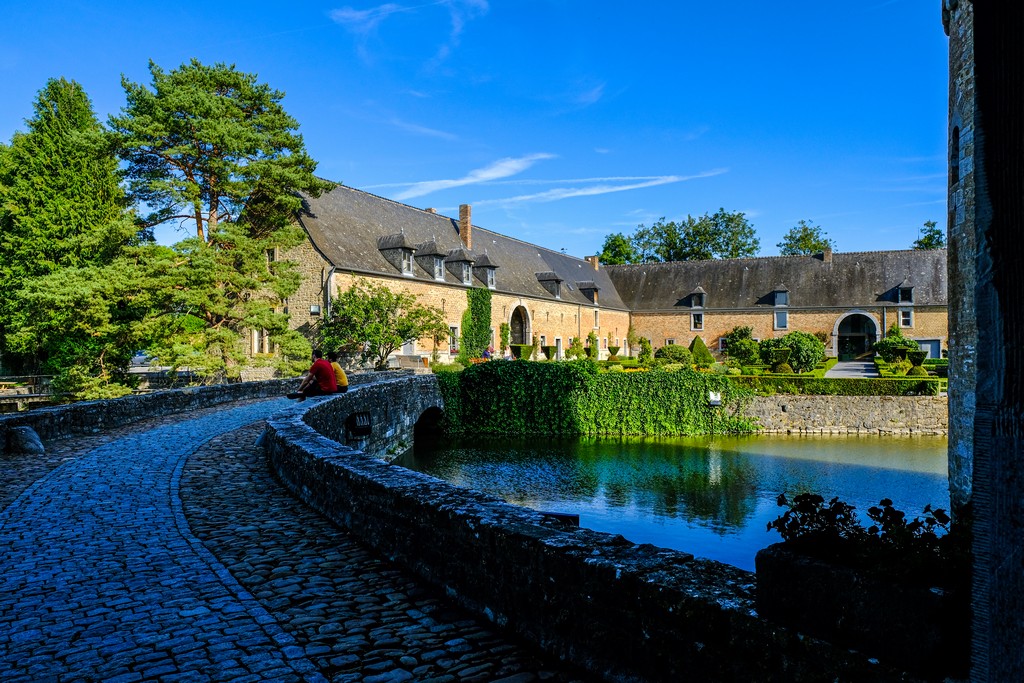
(572, 398)
(476, 324)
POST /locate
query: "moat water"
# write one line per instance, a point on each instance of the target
(712, 497)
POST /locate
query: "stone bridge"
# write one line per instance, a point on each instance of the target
(163, 549)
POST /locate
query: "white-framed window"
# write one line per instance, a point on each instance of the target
(597, 319)
(406, 262)
(467, 273)
(696, 321)
(438, 267)
(558, 289)
(721, 343)
(604, 342)
(905, 295)
(669, 341)
(781, 298)
(906, 317)
(490, 278)
(453, 338)
(543, 340)
(782, 320)
(558, 348)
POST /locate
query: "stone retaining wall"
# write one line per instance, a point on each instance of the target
(785, 413)
(627, 612)
(92, 416)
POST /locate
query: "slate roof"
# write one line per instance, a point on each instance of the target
(851, 280)
(345, 224)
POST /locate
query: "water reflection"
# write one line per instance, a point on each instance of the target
(711, 497)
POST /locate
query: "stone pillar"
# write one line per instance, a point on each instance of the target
(997, 498)
(958, 20)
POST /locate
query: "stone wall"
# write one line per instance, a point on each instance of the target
(963, 325)
(626, 612)
(88, 417)
(785, 413)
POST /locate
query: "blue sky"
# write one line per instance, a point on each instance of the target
(561, 121)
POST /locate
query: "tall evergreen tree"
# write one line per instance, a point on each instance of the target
(61, 204)
(212, 148)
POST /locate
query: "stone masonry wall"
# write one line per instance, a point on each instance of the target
(929, 322)
(92, 416)
(850, 414)
(626, 612)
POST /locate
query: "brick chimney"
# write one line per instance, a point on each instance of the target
(466, 225)
(430, 210)
(592, 260)
(827, 255)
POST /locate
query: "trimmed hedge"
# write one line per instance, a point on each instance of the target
(571, 398)
(838, 386)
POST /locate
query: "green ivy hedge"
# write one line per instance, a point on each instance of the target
(838, 386)
(517, 398)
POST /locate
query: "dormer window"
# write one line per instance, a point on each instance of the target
(552, 282)
(398, 251)
(905, 295)
(698, 298)
(460, 264)
(589, 289)
(781, 297)
(467, 273)
(485, 268)
(490, 278)
(438, 267)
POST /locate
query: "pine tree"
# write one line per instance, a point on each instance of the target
(61, 204)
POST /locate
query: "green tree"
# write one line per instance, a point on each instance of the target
(375, 321)
(208, 296)
(212, 147)
(740, 345)
(804, 239)
(931, 237)
(618, 250)
(61, 204)
(645, 356)
(593, 349)
(575, 349)
(504, 332)
(723, 234)
(210, 144)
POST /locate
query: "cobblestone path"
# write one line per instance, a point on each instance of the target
(104, 578)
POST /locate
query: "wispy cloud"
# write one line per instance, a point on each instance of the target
(557, 194)
(363, 22)
(591, 96)
(423, 130)
(501, 168)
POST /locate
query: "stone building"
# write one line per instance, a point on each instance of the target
(353, 235)
(851, 298)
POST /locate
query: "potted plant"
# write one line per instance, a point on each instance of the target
(896, 590)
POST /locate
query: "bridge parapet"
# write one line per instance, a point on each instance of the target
(628, 612)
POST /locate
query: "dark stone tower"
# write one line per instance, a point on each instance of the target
(958, 20)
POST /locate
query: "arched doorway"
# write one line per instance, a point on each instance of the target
(520, 327)
(855, 334)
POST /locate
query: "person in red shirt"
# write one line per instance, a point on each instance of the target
(319, 381)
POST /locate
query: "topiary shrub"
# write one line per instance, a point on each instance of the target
(744, 351)
(645, 356)
(806, 350)
(916, 358)
(917, 371)
(701, 356)
(783, 369)
(675, 353)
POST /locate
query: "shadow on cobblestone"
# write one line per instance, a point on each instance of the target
(357, 617)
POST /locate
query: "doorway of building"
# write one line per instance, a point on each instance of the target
(520, 327)
(857, 334)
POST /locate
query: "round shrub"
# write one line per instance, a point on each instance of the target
(806, 351)
(743, 350)
(675, 353)
(917, 371)
(783, 369)
(616, 368)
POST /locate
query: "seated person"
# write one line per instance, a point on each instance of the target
(339, 375)
(319, 381)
